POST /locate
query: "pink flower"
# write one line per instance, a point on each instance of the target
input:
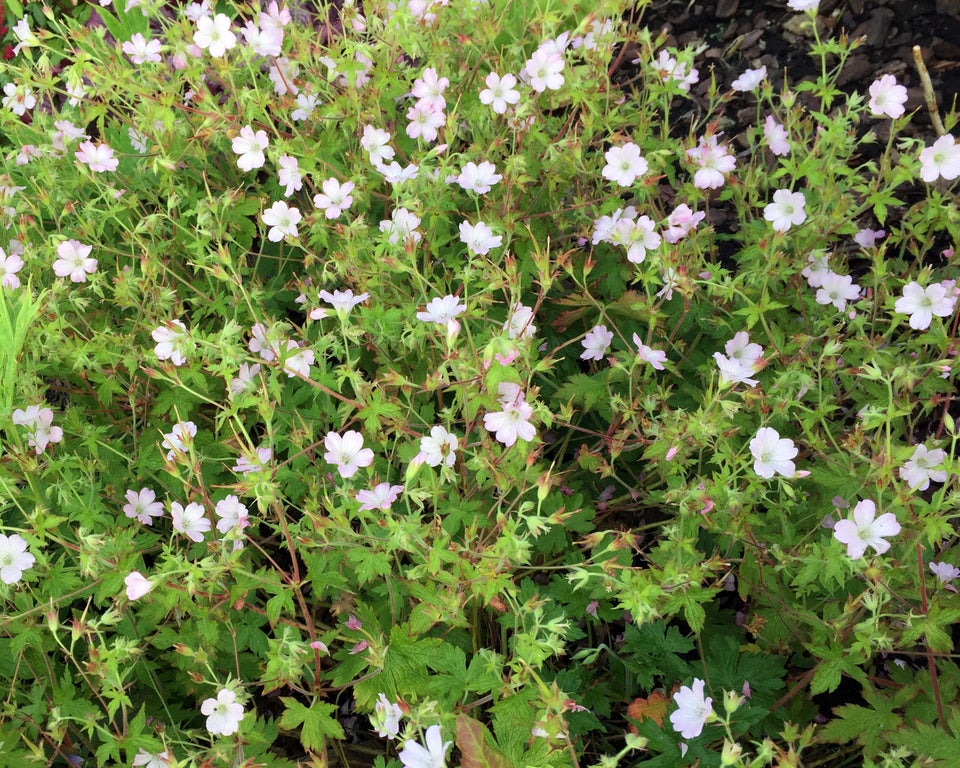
(693, 710)
(137, 585)
(191, 520)
(654, 357)
(866, 530)
(297, 361)
(513, 422)
(776, 137)
(214, 35)
(544, 70)
(837, 290)
(596, 343)
(429, 89)
(680, 222)
(887, 97)
(97, 157)
(173, 343)
(923, 303)
(335, 198)
(289, 175)
(425, 120)
(624, 164)
(867, 238)
(750, 79)
(380, 497)
(347, 452)
(714, 160)
(774, 454)
(74, 261)
(9, 266)
(40, 421)
(479, 238)
(673, 71)
(478, 178)
(140, 50)
(142, 506)
(233, 515)
(179, 439)
(499, 92)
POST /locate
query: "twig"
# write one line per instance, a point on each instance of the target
(928, 91)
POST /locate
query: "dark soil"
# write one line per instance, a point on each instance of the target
(743, 34)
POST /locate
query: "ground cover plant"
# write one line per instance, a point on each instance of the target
(408, 385)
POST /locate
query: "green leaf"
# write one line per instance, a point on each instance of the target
(316, 722)
(477, 747)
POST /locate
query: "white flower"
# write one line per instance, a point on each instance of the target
(142, 506)
(137, 585)
(335, 198)
(263, 42)
(223, 713)
(260, 344)
(776, 137)
(401, 226)
(887, 97)
(14, 558)
(637, 236)
(693, 710)
(25, 36)
(341, 301)
(179, 439)
(191, 520)
(250, 146)
(282, 220)
(306, 104)
(513, 422)
(214, 35)
(282, 74)
(520, 323)
(386, 718)
(673, 71)
(297, 361)
(479, 238)
(865, 531)
(289, 175)
(347, 452)
(596, 343)
(413, 755)
(9, 266)
(144, 759)
(837, 290)
(381, 497)
(74, 261)
(173, 343)
(714, 160)
(439, 447)
(867, 238)
(624, 164)
(478, 178)
(919, 469)
(680, 222)
(817, 270)
(544, 70)
(942, 160)
(19, 99)
(140, 50)
(499, 92)
(741, 361)
(803, 5)
(749, 80)
(786, 210)
(773, 454)
(232, 513)
(375, 141)
(443, 310)
(923, 303)
(425, 120)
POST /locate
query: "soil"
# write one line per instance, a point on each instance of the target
(743, 34)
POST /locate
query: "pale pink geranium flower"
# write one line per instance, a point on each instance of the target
(347, 452)
(887, 97)
(945, 573)
(478, 178)
(439, 447)
(74, 261)
(637, 236)
(714, 160)
(261, 41)
(232, 513)
(282, 220)
(224, 713)
(803, 5)
(40, 421)
(140, 50)
(9, 266)
(923, 303)
(97, 157)
(479, 238)
(245, 380)
(253, 463)
(142, 506)
(866, 530)
(750, 79)
(401, 227)
(693, 710)
(513, 422)
(681, 221)
(386, 718)
(191, 520)
(499, 92)
(18, 99)
(776, 137)
(250, 146)
(380, 497)
(786, 210)
(429, 88)
(942, 160)
(837, 290)
(415, 755)
(920, 468)
(14, 558)
(443, 311)
(774, 455)
(335, 198)
(519, 325)
(179, 439)
(741, 361)
(173, 342)
(544, 70)
(867, 238)
(214, 35)
(297, 361)
(817, 269)
(341, 301)
(376, 142)
(262, 343)
(655, 357)
(144, 759)
(137, 584)
(673, 71)
(424, 121)
(624, 164)
(289, 175)
(596, 343)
